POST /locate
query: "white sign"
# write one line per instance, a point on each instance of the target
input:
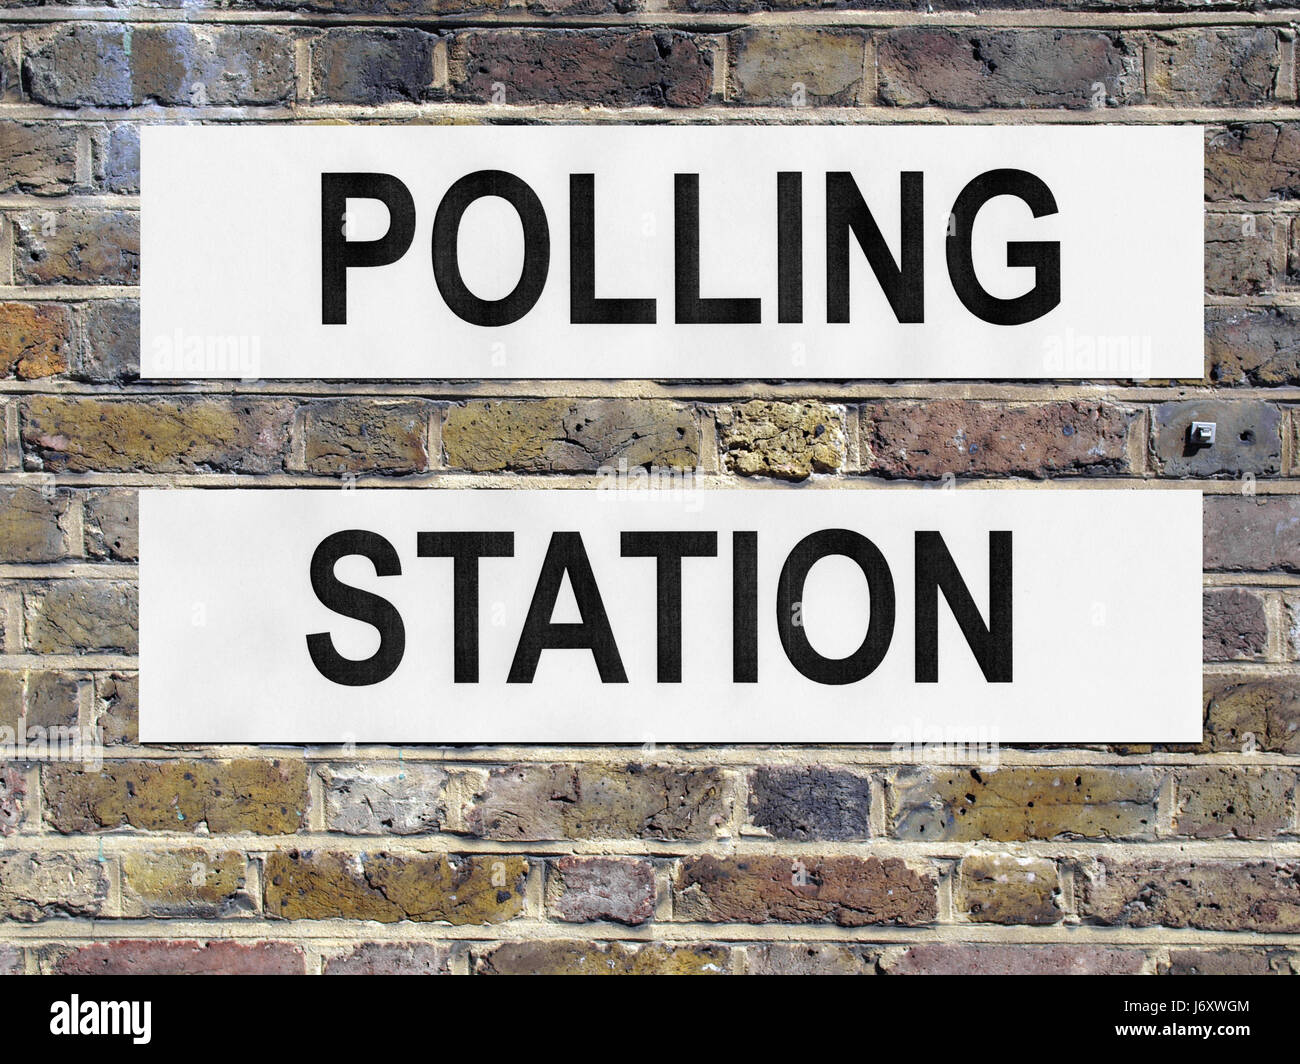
(661, 252)
(673, 615)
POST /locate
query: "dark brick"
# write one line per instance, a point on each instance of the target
(1248, 439)
(605, 67)
(371, 66)
(969, 69)
(810, 803)
(1233, 626)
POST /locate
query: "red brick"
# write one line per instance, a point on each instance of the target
(139, 957)
(849, 891)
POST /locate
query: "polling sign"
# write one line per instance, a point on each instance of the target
(670, 252)
(682, 615)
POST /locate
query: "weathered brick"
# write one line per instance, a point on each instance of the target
(1245, 254)
(372, 66)
(111, 525)
(117, 701)
(570, 436)
(968, 69)
(383, 958)
(35, 339)
(52, 700)
(76, 246)
(1242, 895)
(1257, 346)
(1251, 533)
(34, 525)
(1243, 714)
(937, 958)
(1234, 802)
(116, 158)
(794, 66)
(305, 885)
(184, 883)
(364, 436)
(934, 437)
(266, 797)
(1248, 439)
(91, 64)
(13, 797)
(595, 801)
(39, 158)
(111, 351)
(810, 958)
(1013, 804)
(1233, 625)
(1253, 161)
(558, 957)
(11, 960)
(1002, 889)
(581, 889)
(612, 68)
(141, 957)
(404, 799)
(790, 441)
(810, 803)
(13, 688)
(35, 886)
(1214, 67)
(157, 435)
(1261, 960)
(848, 891)
(67, 616)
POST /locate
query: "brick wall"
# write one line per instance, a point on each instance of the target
(735, 859)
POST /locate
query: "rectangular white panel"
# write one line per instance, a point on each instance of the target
(238, 229)
(1099, 621)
